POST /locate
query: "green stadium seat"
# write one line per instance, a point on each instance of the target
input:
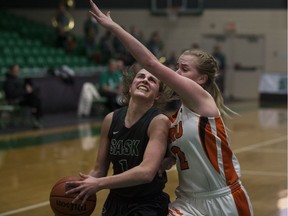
(40, 62)
(31, 44)
(10, 42)
(59, 52)
(31, 61)
(35, 51)
(83, 61)
(20, 60)
(19, 42)
(9, 61)
(16, 51)
(67, 60)
(2, 42)
(7, 51)
(51, 51)
(2, 62)
(26, 51)
(50, 63)
(43, 51)
(3, 71)
(58, 61)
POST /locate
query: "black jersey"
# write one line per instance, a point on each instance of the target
(127, 147)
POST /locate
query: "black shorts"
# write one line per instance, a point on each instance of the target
(152, 206)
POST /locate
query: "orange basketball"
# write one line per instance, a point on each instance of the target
(62, 205)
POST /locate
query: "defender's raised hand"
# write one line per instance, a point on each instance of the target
(102, 19)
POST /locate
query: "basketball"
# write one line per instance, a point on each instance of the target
(61, 203)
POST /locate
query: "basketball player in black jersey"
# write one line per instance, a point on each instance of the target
(134, 140)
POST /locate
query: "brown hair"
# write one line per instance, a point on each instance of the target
(166, 94)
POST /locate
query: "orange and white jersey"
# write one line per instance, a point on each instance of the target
(205, 161)
(208, 171)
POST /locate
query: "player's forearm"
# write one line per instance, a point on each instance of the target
(96, 173)
(133, 177)
(99, 171)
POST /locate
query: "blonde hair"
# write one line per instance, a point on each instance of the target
(166, 93)
(209, 66)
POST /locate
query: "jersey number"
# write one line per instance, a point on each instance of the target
(124, 164)
(176, 132)
(181, 156)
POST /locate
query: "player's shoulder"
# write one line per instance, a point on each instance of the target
(161, 118)
(108, 119)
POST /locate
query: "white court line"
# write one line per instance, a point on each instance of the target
(270, 150)
(240, 150)
(260, 144)
(27, 208)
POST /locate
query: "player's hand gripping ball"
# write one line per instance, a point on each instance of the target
(61, 203)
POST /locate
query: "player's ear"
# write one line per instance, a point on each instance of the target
(157, 97)
(202, 79)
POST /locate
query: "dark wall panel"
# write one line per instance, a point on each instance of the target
(138, 4)
(29, 4)
(133, 4)
(246, 4)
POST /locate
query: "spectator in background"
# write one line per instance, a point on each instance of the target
(71, 44)
(137, 33)
(121, 52)
(195, 46)
(21, 92)
(155, 44)
(110, 84)
(171, 60)
(88, 93)
(91, 31)
(106, 47)
(221, 60)
(61, 22)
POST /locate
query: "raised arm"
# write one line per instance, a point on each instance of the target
(191, 93)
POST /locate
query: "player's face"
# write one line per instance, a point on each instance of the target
(186, 66)
(145, 85)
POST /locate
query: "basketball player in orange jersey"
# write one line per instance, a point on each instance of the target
(209, 173)
(134, 140)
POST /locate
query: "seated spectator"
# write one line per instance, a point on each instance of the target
(110, 84)
(21, 92)
(71, 45)
(88, 93)
(109, 87)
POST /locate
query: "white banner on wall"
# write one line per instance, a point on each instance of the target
(273, 83)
